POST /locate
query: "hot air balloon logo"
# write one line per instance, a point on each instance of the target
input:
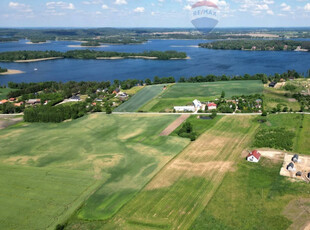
(204, 16)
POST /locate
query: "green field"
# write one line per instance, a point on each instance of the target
(119, 153)
(255, 197)
(180, 191)
(138, 100)
(4, 92)
(273, 97)
(184, 93)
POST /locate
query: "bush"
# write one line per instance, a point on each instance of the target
(187, 131)
(264, 114)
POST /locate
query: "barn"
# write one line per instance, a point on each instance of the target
(254, 156)
(295, 158)
(290, 167)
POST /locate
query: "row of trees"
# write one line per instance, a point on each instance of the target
(277, 45)
(55, 114)
(87, 54)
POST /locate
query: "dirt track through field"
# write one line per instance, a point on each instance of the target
(174, 125)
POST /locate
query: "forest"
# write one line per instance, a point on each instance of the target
(258, 45)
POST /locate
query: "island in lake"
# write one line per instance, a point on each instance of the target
(31, 56)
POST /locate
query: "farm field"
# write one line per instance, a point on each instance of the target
(175, 197)
(297, 123)
(273, 97)
(184, 93)
(120, 153)
(256, 196)
(142, 97)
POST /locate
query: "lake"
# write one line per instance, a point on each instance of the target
(202, 62)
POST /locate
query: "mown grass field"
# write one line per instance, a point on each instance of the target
(255, 196)
(120, 153)
(176, 196)
(273, 97)
(142, 97)
(185, 93)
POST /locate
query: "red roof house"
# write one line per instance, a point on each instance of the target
(254, 156)
(212, 106)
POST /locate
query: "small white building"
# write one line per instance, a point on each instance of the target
(197, 104)
(184, 108)
(291, 167)
(75, 98)
(254, 156)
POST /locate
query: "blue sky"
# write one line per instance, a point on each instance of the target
(150, 13)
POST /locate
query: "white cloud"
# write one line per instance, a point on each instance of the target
(187, 7)
(94, 2)
(139, 10)
(307, 7)
(20, 7)
(285, 7)
(105, 7)
(61, 5)
(270, 12)
(120, 2)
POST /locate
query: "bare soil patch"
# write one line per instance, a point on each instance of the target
(174, 125)
(302, 166)
(23, 160)
(6, 122)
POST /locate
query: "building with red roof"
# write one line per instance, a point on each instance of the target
(3, 101)
(254, 156)
(212, 106)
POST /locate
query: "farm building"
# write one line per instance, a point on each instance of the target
(295, 158)
(184, 108)
(254, 156)
(309, 175)
(212, 106)
(290, 167)
(197, 104)
(299, 173)
(272, 84)
(75, 98)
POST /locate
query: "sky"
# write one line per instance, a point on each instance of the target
(150, 13)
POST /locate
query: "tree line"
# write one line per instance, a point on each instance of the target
(87, 54)
(3, 70)
(260, 45)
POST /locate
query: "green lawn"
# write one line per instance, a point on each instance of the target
(253, 197)
(121, 153)
(184, 93)
(142, 97)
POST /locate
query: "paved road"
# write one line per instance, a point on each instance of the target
(223, 114)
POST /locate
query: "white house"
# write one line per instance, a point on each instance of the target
(212, 106)
(254, 156)
(75, 98)
(184, 108)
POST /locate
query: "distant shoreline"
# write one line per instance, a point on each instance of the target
(33, 43)
(12, 71)
(80, 46)
(138, 57)
(37, 60)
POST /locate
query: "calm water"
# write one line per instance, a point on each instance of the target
(202, 62)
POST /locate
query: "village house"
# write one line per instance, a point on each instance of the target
(295, 158)
(116, 91)
(18, 104)
(33, 101)
(290, 167)
(75, 98)
(12, 99)
(272, 84)
(3, 101)
(197, 104)
(212, 106)
(184, 108)
(254, 156)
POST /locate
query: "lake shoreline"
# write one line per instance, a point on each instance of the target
(37, 60)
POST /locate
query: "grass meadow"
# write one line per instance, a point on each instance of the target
(4, 92)
(109, 156)
(142, 97)
(255, 196)
(273, 97)
(184, 93)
